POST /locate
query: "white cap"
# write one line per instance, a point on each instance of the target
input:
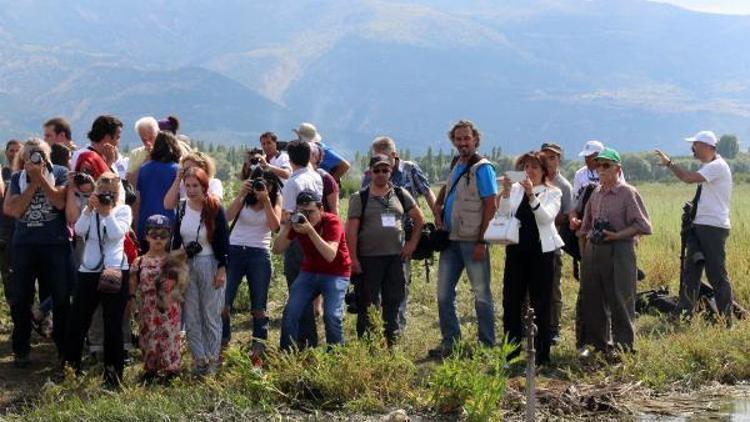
(591, 148)
(705, 136)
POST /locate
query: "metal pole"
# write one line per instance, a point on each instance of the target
(531, 332)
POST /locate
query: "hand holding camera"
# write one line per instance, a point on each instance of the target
(300, 224)
(34, 172)
(102, 203)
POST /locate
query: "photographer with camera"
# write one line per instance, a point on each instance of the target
(102, 276)
(376, 238)
(40, 243)
(274, 160)
(255, 215)
(614, 217)
(707, 228)
(201, 229)
(530, 265)
(325, 268)
(303, 178)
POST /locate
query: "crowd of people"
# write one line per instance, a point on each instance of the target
(102, 238)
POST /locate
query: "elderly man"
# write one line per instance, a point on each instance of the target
(407, 175)
(614, 216)
(707, 239)
(552, 154)
(464, 208)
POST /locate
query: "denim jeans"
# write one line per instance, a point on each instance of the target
(453, 261)
(255, 265)
(308, 332)
(303, 291)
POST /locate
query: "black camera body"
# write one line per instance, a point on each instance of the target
(259, 184)
(193, 248)
(297, 218)
(597, 233)
(105, 198)
(82, 178)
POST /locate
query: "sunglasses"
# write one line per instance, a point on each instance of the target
(604, 165)
(381, 170)
(158, 234)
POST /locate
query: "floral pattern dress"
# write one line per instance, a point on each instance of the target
(159, 329)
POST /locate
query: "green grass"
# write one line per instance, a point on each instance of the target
(366, 377)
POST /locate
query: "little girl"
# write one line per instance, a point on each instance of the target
(160, 278)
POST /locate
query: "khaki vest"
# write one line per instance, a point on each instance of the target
(468, 208)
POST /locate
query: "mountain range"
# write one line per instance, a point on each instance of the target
(632, 73)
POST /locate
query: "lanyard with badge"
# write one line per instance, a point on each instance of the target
(387, 217)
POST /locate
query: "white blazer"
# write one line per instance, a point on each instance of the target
(548, 199)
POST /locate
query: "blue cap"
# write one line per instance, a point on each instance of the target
(158, 221)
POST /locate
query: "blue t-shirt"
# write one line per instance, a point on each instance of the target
(331, 158)
(41, 223)
(154, 180)
(485, 181)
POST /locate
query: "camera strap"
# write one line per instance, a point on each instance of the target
(100, 265)
(696, 198)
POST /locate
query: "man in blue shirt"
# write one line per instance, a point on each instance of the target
(332, 162)
(464, 208)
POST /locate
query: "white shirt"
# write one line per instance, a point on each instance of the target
(713, 205)
(251, 229)
(116, 226)
(301, 180)
(281, 160)
(189, 228)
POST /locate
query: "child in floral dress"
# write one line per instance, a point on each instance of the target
(159, 278)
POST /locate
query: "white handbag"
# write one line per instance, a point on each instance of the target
(502, 229)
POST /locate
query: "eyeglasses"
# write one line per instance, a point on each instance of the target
(381, 170)
(604, 165)
(158, 234)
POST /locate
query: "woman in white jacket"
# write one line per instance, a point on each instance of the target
(529, 265)
(103, 225)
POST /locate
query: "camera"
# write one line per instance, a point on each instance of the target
(297, 218)
(597, 234)
(105, 198)
(36, 157)
(82, 178)
(259, 184)
(193, 248)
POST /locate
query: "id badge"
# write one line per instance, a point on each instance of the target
(388, 219)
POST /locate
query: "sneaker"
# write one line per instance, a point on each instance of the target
(21, 361)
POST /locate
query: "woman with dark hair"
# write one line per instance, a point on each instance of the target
(529, 265)
(202, 230)
(155, 178)
(256, 213)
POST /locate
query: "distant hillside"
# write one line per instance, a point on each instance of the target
(629, 72)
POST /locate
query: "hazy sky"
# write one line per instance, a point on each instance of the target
(739, 7)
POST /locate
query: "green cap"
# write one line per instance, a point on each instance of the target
(609, 154)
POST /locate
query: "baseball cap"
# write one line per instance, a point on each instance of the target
(378, 159)
(609, 154)
(158, 221)
(307, 196)
(705, 136)
(591, 148)
(551, 146)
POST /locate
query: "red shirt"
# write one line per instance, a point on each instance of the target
(92, 163)
(330, 229)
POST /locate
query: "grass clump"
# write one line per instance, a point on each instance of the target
(475, 384)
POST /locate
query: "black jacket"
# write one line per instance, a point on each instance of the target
(220, 242)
